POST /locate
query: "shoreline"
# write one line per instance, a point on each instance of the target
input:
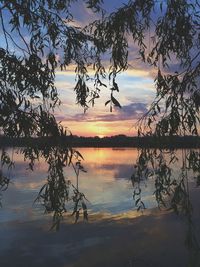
(119, 141)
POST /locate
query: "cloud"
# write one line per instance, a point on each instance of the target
(128, 112)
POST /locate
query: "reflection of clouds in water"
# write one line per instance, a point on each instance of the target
(105, 184)
(112, 171)
(23, 178)
(18, 204)
(120, 171)
(29, 185)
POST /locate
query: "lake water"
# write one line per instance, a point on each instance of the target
(106, 184)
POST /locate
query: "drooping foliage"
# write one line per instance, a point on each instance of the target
(39, 37)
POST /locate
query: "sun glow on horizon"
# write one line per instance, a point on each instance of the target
(135, 94)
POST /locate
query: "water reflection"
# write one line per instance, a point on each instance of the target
(110, 178)
(110, 181)
(174, 173)
(106, 184)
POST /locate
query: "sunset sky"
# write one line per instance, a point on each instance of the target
(136, 92)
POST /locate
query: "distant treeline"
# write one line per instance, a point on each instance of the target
(113, 141)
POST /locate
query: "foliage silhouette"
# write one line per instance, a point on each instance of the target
(28, 93)
(161, 32)
(58, 190)
(172, 190)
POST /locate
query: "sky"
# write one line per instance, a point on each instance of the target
(136, 93)
(136, 90)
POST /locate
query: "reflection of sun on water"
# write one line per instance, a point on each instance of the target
(108, 156)
(106, 183)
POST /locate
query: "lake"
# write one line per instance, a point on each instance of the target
(113, 219)
(106, 184)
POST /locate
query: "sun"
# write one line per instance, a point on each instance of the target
(101, 135)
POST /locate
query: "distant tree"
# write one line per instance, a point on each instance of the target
(38, 37)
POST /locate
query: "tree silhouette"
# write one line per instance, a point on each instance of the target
(38, 38)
